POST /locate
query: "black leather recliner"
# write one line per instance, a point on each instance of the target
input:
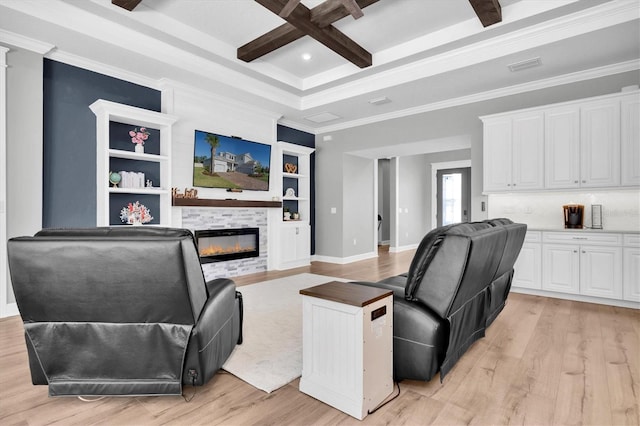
(121, 311)
(457, 284)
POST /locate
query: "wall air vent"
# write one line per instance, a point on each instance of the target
(523, 65)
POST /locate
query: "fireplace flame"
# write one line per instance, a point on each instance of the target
(215, 250)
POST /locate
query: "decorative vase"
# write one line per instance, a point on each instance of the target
(139, 148)
(136, 222)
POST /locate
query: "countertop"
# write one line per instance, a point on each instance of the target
(609, 231)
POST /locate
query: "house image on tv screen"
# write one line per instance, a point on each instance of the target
(229, 162)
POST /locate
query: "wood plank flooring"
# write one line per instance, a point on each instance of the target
(543, 361)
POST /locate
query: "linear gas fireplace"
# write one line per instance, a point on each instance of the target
(217, 245)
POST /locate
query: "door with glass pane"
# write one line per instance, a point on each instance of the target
(454, 195)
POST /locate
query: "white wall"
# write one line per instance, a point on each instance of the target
(455, 123)
(199, 111)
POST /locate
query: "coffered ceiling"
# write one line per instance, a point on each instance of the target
(424, 53)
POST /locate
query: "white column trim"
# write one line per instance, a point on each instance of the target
(6, 308)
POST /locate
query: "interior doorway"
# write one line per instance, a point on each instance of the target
(451, 192)
(454, 193)
(384, 204)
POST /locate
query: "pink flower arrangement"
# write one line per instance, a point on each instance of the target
(135, 213)
(138, 136)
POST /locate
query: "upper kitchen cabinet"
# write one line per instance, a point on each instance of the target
(514, 152)
(592, 143)
(630, 139)
(562, 147)
(600, 143)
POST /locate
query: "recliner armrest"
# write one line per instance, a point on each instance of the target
(216, 284)
(397, 286)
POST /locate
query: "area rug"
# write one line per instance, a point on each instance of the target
(271, 353)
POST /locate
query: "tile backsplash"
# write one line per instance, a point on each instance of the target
(543, 210)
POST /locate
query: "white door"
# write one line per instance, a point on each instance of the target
(631, 274)
(561, 268)
(601, 271)
(527, 168)
(497, 155)
(453, 196)
(630, 140)
(600, 143)
(528, 267)
(562, 147)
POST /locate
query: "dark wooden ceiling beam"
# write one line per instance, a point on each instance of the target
(330, 36)
(267, 43)
(353, 8)
(126, 4)
(331, 11)
(489, 11)
(286, 11)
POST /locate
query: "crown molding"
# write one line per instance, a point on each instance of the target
(27, 43)
(298, 126)
(592, 19)
(169, 86)
(101, 68)
(491, 94)
(125, 37)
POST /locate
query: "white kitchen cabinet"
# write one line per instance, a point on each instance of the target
(562, 147)
(514, 152)
(630, 139)
(589, 143)
(589, 264)
(631, 268)
(600, 143)
(561, 268)
(601, 271)
(497, 155)
(527, 166)
(528, 266)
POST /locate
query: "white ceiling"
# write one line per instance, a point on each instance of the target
(425, 52)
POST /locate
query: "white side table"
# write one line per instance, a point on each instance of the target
(347, 346)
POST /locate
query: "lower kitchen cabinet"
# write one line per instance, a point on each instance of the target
(601, 265)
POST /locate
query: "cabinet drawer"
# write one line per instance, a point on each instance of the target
(582, 238)
(632, 240)
(533, 237)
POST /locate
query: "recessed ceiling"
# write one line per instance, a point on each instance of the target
(425, 52)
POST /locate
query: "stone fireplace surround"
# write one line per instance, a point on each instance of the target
(221, 218)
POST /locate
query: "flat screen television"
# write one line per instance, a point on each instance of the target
(230, 162)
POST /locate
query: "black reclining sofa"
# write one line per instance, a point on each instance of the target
(457, 284)
(121, 311)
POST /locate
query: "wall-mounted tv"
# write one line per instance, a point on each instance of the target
(230, 162)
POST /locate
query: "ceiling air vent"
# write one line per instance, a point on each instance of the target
(323, 117)
(379, 101)
(523, 65)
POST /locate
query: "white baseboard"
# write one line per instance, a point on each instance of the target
(9, 310)
(343, 260)
(577, 297)
(403, 248)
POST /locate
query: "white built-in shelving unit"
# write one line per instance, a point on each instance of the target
(113, 147)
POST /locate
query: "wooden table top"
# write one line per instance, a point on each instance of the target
(347, 293)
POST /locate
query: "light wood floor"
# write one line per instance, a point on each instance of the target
(543, 361)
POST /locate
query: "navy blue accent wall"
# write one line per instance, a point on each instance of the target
(69, 187)
(298, 137)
